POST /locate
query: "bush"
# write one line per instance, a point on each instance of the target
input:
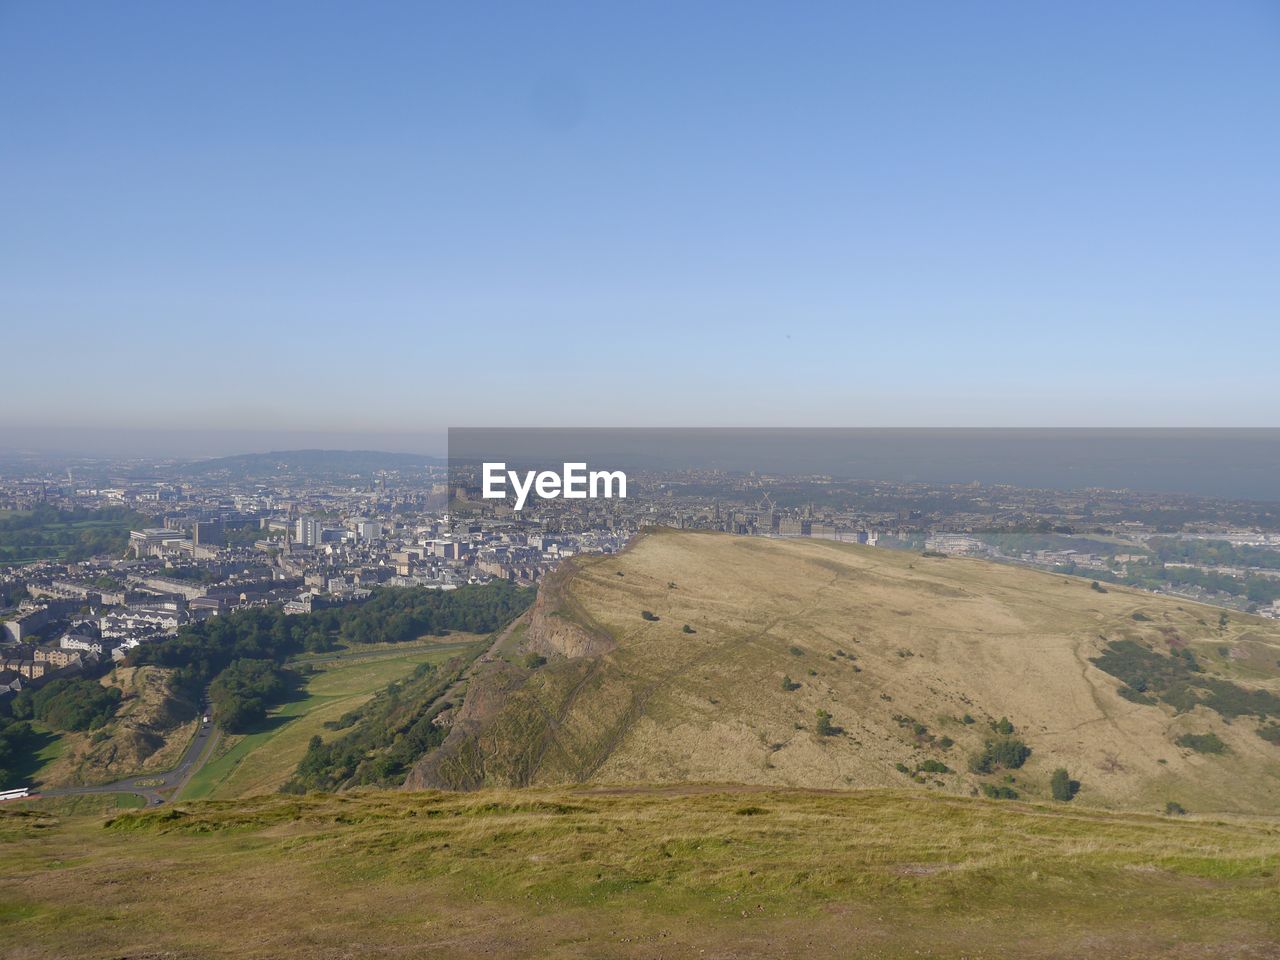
(1002, 726)
(533, 661)
(999, 793)
(1062, 786)
(1175, 809)
(1096, 587)
(687, 629)
(1133, 696)
(788, 684)
(1008, 753)
(1202, 742)
(825, 727)
(934, 766)
(650, 616)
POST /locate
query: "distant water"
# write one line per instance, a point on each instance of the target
(1235, 464)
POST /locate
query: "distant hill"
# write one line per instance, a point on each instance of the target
(319, 464)
(706, 657)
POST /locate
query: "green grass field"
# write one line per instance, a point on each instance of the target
(260, 762)
(658, 872)
(52, 746)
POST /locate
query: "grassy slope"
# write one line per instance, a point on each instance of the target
(933, 639)
(261, 762)
(644, 873)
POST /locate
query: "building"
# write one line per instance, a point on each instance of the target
(308, 532)
(156, 542)
(208, 533)
(30, 669)
(57, 657)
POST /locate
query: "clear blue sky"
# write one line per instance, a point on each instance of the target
(396, 217)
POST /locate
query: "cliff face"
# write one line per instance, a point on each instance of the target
(509, 729)
(557, 629)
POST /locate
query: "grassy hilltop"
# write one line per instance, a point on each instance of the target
(597, 873)
(705, 657)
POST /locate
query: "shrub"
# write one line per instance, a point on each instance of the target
(902, 768)
(934, 766)
(1270, 733)
(1008, 753)
(788, 684)
(1133, 696)
(1202, 742)
(796, 652)
(687, 629)
(649, 615)
(825, 727)
(1062, 786)
(967, 719)
(534, 660)
(999, 793)
(1174, 809)
(1096, 587)
(946, 743)
(1002, 726)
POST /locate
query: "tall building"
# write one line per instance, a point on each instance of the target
(207, 533)
(308, 531)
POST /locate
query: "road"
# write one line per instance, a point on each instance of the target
(152, 786)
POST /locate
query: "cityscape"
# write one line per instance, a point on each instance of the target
(303, 540)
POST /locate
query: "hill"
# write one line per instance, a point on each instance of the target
(677, 872)
(150, 729)
(694, 657)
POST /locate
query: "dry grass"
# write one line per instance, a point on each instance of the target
(635, 873)
(931, 639)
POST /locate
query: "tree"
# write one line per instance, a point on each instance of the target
(1062, 786)
(825, 727)
(1007, 753)
(788, 684)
